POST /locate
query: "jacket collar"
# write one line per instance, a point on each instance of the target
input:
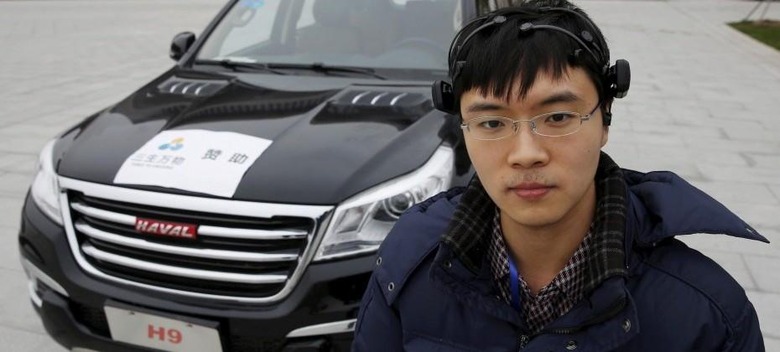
(663, 205)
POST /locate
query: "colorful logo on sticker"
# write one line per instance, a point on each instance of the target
(253, 4)
(174, 145)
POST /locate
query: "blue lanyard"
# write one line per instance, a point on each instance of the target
(514, 283)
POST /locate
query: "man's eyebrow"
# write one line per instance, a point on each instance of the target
(565, 96)
(483, 106)
(559, 97)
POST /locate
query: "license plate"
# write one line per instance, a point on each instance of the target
(155, 331)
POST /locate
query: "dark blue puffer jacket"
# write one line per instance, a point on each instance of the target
(674, 299)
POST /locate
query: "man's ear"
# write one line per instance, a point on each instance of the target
(605, 136)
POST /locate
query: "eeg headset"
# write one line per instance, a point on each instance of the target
(617, 78)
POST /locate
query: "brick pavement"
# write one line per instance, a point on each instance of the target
(703, 103)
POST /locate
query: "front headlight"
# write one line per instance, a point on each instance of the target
(361, 223)
(45, 188)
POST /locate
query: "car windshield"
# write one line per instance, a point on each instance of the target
(385, 35)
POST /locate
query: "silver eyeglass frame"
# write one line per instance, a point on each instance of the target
(532, 121)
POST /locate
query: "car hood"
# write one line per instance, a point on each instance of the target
(329, 141)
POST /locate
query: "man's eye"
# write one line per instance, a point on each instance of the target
(560, 118)
(491, 124)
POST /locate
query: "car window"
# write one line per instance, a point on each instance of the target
(244, 25)
(392, 34)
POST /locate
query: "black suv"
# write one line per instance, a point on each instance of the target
(235, 203)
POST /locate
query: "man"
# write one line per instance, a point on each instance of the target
(552, 246)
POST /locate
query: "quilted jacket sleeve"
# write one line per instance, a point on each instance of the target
(747, 332)
(378, 327)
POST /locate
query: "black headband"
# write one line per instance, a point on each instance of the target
(585, 39)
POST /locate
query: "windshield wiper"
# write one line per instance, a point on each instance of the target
(320, 67)
(239, 65)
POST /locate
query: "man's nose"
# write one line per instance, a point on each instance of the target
(526, 148)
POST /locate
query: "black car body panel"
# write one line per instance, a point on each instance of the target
(357, 136)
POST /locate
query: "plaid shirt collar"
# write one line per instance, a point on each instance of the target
(471, 227)
(567, 280)
(553, 300)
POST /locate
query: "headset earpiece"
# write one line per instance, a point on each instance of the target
(619, 78)
(443, 97)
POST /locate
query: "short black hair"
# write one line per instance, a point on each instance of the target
(496, 56)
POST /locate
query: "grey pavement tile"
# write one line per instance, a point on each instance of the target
(760, 216)
(27, 129)
(771, 344)
(746, 130)
(768, 308)
(766, 161)
(645, 158)
(718, 107)
(9, 249)
(773, 124)
(14, 184)
(23, 145)
(24, 166)
(775, 191)
(736, 192)
(647, 163)
(740, 175)
(765, 272)
(708, 96)
(21, 163)
(720, 144)
(646, 138)
(621, 152)
(24, 341)
(712, 245)
(17, 310)
(680, 128)
(10, 212)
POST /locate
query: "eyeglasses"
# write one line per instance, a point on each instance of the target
(551, 124)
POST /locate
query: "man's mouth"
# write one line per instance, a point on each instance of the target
(531, 190)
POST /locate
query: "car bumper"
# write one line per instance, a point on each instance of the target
(318, 314)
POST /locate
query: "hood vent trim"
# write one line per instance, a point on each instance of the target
(370, 98)
(191, 87)
(361, 102)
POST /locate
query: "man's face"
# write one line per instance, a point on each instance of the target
(534, 180)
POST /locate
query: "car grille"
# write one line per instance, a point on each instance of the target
(91, 317)
(233, 256)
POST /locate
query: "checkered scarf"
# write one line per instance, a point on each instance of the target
(471, 233)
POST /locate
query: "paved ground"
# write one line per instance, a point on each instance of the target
(703, 103)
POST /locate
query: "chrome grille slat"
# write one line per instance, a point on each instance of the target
(101, 214)
(91, 251)
(178, 250)
(250, 234)
(249, 252)
(205, 230)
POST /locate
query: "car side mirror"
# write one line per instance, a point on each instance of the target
(180, 44)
